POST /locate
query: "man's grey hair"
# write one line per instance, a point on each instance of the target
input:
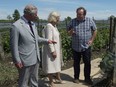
(30, 9)
(53, 16)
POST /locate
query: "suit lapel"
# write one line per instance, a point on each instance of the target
(27, 28)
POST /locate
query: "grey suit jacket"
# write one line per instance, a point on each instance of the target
(24, 45)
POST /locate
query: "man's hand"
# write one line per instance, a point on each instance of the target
(54, 55)
(19, 65)
(71, 32)
(90, 42)
(52, 42)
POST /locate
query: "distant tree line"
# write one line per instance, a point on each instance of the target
(16, 15)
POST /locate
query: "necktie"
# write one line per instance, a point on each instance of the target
(30, 25)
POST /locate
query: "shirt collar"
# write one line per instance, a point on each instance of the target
(81, 20)
(26, 21)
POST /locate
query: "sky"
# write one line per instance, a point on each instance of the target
(99, 9)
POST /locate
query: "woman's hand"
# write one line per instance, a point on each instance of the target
(52, 42)
(54, 54)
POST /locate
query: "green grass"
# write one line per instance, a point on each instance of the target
(8, 74)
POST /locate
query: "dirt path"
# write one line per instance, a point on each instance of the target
(67, 75)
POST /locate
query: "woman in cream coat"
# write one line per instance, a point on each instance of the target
(52, 54)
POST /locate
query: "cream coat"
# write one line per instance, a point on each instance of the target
(49, 64)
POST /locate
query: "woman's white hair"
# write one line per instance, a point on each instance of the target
(30, 9)
(53, 16)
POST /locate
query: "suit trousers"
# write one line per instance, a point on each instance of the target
(28, 76)
(86, 56)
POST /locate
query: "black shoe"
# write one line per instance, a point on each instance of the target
(76, 81)
(89, 81)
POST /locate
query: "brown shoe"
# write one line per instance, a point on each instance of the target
(76, 81)
(52, 84)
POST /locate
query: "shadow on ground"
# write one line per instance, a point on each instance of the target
(44, 82)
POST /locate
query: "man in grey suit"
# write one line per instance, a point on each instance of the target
(24, 47)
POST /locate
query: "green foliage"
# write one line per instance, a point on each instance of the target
(9, 17)
(6, 21)
(16, 15)
(67, 20)
(6, 41)
(102, 39)
(107, 63)
(4, 30)
(8, 74)
(66, 44)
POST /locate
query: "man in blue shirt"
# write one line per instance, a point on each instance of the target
(83, 31)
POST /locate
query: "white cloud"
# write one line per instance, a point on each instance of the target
(3, 13)
(44, 12)
(101, 14)
(65, 14)
(65, 8)
(57, 1)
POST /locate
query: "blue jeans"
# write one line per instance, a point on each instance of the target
(86, 55)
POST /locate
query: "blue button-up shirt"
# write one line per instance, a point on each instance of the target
(83, 33)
